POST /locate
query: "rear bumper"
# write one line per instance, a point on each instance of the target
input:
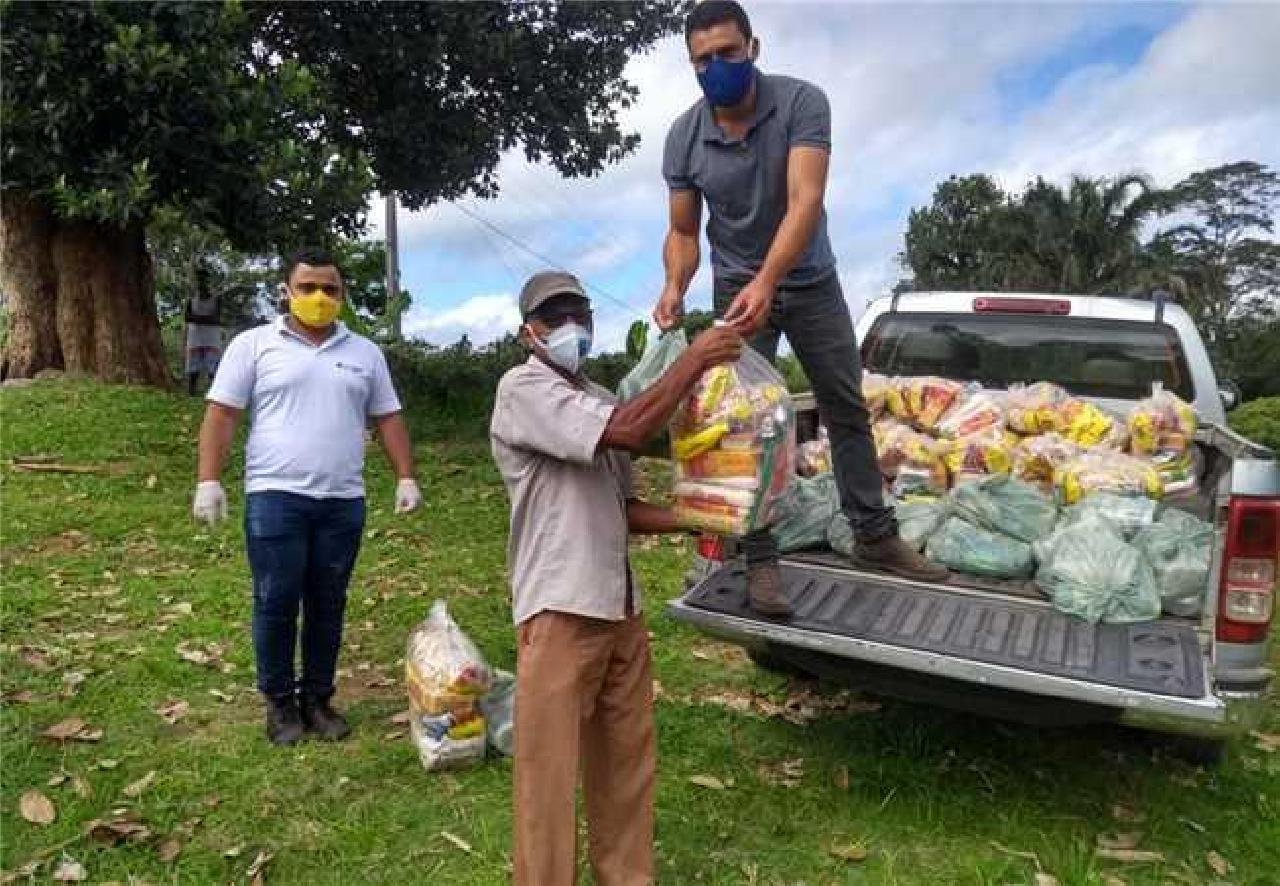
(1211, 716)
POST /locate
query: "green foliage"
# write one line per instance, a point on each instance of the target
(637, 339)
(1259, 421)
(696, 321)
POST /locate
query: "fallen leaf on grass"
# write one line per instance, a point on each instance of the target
(707, 781)
(71, 683)
(152, 480)
(22, 696)
(393, 735)
(256, 873)
(81, 787)
(1043, 879)
(1132, 856)
(1119, 841)
(220, 695)
(173, 710)
(57, 779)
(117, 830)
(106, 764)
(1113, 880)
(1266, 742)
(400, 719)
(136, 789)
(65, 730)
(842, 778)
(70, 871)
(854, 852)
(169, 850)
(234, 851)
(784, 773)
(37, 808)
(37, 659)
(1220, 865)
(456, 841)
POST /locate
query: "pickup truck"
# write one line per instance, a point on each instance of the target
(999, 648)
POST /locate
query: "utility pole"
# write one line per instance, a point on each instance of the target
(393, 260)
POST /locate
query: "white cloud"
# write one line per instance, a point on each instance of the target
(918, 92)
(482, 318)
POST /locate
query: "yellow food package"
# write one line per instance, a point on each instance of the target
(1034, 409)
(693, 445)
(1083, 423)
(1161, 424)
(1104, 471)
(722, 463)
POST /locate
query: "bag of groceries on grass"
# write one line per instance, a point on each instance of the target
(446, 677)
(733, 445)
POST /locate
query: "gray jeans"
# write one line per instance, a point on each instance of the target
(816, 322)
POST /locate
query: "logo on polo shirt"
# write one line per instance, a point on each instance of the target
(349, 367)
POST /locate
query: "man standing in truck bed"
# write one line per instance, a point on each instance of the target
(756, 147)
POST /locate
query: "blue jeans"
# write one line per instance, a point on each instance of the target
(301, 553)
(815, 320)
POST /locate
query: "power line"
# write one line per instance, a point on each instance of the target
(521, 245)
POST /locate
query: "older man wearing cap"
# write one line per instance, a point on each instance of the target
(584, 691)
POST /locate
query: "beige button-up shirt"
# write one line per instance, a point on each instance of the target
(568, 546)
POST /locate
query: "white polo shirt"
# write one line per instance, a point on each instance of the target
(308, 407)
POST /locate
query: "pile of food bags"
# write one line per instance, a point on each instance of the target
(446, 677)
(1091, 572)
(805, 513)
(733, 444)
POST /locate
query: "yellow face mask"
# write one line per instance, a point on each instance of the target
(314, 308)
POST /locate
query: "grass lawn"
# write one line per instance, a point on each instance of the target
(106, 580)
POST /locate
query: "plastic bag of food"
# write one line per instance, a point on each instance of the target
(499, 708)
(922, 401)
(979, 455)
(657, 358)
(1162, 423)
(733, 442)
(1083, 423)
(805, 512)
(967, 548)
(1179, 547)
(875, 390)
(1128, 513)
(814, 456)
(1090, 572)
(1037, 459)
(1105, 471)
(918, 520)
(1034, 409)
(446, 677)
(911, 461)
(1177, 471)
(1006, 505)
(840, 534)
(974, 414)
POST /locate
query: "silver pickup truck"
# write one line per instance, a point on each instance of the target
(1000, 648)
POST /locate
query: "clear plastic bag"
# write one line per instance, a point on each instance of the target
(1179, 547)
(446, 676)
(1006, 505)
(919, 520)
(840, 534)
(966, 548)
(978, 456)
(657, 358)
(1034, 409)
(813, 457)
(1105, 471)
(1161, 424)
(910, 460)
(922, 401)
(499, 707)
(1128, 513)
(733, 442)
(978, 412)
(1090, 572)
(1037, 459)
(805, 512)
(875, 390)
(1085, 424)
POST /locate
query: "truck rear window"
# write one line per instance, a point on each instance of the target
(1090, 357)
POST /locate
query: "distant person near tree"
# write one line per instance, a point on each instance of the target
(204, 332)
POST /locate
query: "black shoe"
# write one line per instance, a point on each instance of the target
(322, 720)
(284, 720)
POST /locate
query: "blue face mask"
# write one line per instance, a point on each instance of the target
(726, 83)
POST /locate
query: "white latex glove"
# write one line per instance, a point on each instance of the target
(408, 496)
(210, 504)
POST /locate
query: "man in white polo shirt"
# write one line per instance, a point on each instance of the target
(311, 386)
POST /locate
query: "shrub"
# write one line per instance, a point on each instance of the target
(1259, 421)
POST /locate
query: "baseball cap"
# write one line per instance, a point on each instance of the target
(546, 285)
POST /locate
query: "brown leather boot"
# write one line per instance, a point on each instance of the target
(892, 554)
(764, 590)
(322, 720)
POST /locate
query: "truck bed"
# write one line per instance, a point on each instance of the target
(1160, 658)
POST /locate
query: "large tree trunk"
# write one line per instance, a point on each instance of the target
(29, 285)
(106, 315)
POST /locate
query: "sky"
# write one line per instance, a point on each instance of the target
(918, 92)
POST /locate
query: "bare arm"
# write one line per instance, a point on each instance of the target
(644, 518)
(680, 255)
(216, 432)
(394, 435)
(806, 184)
(636, 422)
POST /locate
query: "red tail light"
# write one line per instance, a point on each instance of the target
(711, 547)
(986, 304)
(1250, 561)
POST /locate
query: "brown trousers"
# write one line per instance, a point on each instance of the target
(584, 692)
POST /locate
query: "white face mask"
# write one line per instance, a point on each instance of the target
(567, 346)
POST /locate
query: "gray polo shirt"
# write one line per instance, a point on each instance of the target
(568, 546)
(745, 182)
